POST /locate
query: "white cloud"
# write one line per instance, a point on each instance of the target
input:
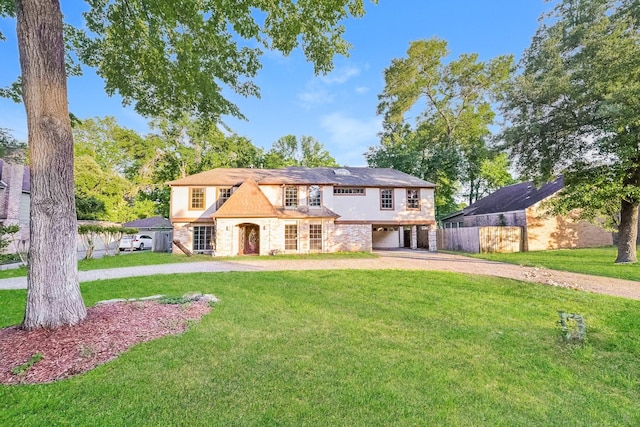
(362, 90)
(340, 75)
(347, 130)
(351, 137)
(315, 96)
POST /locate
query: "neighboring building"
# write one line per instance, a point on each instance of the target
(160, 230)
(302, 210)
(15, 197)
(520, 205)
(155, 223)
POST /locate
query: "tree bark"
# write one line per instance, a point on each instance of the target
(628, 233)
(53, 293)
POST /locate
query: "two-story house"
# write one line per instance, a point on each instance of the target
(302, 210)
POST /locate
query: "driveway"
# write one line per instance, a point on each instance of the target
(392, 259)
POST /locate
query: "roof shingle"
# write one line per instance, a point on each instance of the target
(346, 176)
(514, 197)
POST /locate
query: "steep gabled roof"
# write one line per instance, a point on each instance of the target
(297, 175)
(248, 201)
(516, 197)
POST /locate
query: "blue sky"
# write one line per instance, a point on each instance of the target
(338, 109)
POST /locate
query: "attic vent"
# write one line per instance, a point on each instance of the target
(341, 172)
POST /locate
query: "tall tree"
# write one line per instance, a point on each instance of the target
(291, 151)
(452, 102)
(574, 109)
(110, 144)
(53, 293)
(167, 60)
(189, 146)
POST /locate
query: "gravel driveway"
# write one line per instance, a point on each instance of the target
(394, 259)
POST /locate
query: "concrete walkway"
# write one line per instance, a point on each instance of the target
(395, 259)
(145, 270)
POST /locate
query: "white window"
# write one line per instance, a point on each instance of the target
(386, 199)
(413, 199)
(353, 191)
(291, 237)
(223, 195)
(314, 196)
(291, 197)
(315, 237)
(203, 238)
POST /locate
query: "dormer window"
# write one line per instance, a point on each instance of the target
(291, 197)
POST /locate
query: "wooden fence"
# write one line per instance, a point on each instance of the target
(481, 239)
(162, 241)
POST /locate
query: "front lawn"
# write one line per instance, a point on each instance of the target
(357, 348)
(596, 261)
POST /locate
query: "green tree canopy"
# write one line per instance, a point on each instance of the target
(453, 105)
(291, 151)
(207, 46)
(574, 110)
(166, 59)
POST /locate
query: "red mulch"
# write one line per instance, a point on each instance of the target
(108, 330)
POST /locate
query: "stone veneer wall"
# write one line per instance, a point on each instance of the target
(228, 235)
(562, 232)
(182, 232)
(348, 237)
(336, 237)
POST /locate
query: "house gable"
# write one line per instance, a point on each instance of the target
(248, 201)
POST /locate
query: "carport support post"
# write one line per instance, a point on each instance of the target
(433, 239)
(414, 237)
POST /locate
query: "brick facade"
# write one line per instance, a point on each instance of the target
(562, 232)
(349, 238)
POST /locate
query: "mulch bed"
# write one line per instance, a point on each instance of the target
(108, 330)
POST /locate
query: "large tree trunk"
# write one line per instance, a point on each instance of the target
(627, 233)
(53, 293)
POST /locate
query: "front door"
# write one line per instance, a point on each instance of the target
(250, 239)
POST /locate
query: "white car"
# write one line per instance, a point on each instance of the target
(137, 241)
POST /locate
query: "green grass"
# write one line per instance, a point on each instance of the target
(356, 348)
(596, 261)
(154, 258)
